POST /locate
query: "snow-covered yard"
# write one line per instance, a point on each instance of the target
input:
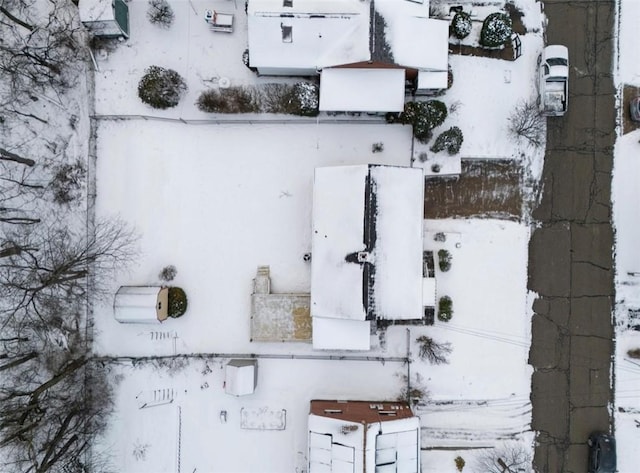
(217, 201)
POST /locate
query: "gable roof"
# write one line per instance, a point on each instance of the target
(359, 436)
(310, 35)
(367, 242)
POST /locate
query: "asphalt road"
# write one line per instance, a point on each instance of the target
(570, 254)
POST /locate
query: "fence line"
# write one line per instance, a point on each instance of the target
(207, 356)
(247, 121)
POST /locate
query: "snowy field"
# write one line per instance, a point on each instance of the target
(217, 201)
(626, 196)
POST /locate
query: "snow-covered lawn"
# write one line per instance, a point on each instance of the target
(217, 201)
(626, 196)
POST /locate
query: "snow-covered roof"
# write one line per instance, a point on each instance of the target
(96, 10)
(240, 377)
(310, 35)
(433, 79)
(344, 445)
(367, 242)
(140, 304)
(420, 43)
(362, 89)
(399, 196)
(338, 229)
(429, 292)
(341, 334)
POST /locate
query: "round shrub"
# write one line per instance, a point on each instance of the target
(461, 25)
(177, 302)
(160, 13)
(444, 260)
(306, 99)
(496, 30)
(451, 140)
(445, 309)
(161, 88)
(424, 117)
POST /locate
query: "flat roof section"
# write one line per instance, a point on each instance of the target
(362, 89)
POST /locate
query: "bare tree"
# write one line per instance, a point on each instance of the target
(55, 260)
(527, 123)
(507, 458)
(55, 396)
(433, 351)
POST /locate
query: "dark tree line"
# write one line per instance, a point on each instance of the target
(54, 395)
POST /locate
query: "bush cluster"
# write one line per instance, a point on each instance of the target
(297, 99)
(461, 25)
(445, 309)
(423, 117)
(161, 88)
(496, 30)
(451, 140)
(177, 302)
(237, 99)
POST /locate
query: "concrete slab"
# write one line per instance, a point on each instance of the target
(591, 316)
(550, 388)
(592, 243)
(551, 275)
(587, 279)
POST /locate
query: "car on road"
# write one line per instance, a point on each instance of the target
(554, 80)
(634, 109)
(602, 453)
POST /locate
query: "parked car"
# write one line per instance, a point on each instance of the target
(634, 108)
(554, 80)
(602, 453)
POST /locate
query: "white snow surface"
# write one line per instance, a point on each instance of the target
(218, 200)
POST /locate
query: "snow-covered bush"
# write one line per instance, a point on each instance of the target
(68, 182)
(168, 273)
(496, 30)
(235, 99)
(306, 99)
(444, 260)
(424, 117)
(451, 140)
(160, 13)
(161, 88)
(445, 309)
(461, 25)
(177, 302)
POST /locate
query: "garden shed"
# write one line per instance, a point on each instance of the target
(141, 304)
(105, 18)
(241, 377)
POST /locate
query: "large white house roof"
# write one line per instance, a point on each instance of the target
(362, 89)
(374, 213)
(310, 35)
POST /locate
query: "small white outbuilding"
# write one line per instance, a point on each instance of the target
(241, 377)
(105, 18)
(141, 304)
